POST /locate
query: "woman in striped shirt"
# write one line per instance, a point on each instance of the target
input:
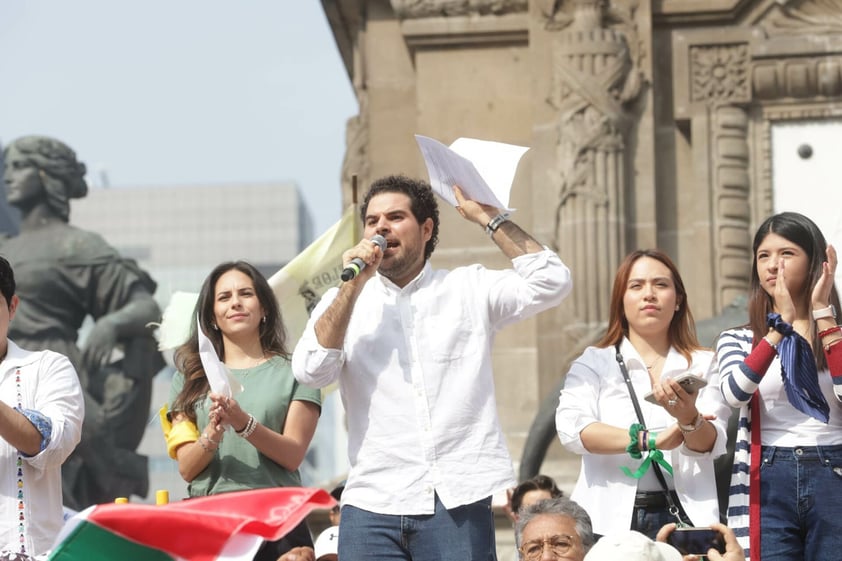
(784, 372)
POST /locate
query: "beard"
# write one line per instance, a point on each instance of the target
(398, 267)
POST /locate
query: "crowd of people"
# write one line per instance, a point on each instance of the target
(410, 349)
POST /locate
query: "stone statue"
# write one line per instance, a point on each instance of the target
(64, 276)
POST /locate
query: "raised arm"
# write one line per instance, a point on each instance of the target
(330, 328)
(508, 236)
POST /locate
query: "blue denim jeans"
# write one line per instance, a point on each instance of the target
(648, 521)
(465, 533)
(801, 503)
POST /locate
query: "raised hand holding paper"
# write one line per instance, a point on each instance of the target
(483, 169)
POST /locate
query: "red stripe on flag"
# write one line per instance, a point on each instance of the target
(198, 529)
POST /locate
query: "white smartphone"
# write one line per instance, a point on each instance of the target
(690, 383)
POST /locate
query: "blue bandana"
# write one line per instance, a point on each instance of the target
(798, 370)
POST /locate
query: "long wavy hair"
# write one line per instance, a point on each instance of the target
(804, 233)
(62, 175)
(682, 329)
(272, 334)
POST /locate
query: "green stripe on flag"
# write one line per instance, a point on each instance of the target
(89, 542)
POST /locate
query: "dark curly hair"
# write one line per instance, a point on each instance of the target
(422, 202)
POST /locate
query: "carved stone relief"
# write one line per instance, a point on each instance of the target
(595, 78)
(437, 8)
(720, 73)
(798, 77)
(731, 194)
(735, 81)
(815, 17)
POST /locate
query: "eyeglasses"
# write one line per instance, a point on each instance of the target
(559, 545)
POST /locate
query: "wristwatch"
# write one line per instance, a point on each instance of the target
(495, 222)
(829, 312)
(694, 426)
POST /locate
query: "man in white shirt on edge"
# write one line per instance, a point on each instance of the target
(41, 412)
(411, 349)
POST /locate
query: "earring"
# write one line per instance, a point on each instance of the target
(263, 320)
(677, 308)
(215, 327)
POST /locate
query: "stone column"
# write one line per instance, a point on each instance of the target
(594, 80)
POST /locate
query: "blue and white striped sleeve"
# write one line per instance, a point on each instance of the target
(736, 380)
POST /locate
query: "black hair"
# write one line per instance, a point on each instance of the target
(7, 281)
(422, 202)
(537, 483)
(804, 233)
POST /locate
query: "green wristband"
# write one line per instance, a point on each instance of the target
(633, 448)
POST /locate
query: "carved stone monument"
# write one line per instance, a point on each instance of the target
(64, 276)
(650, 125)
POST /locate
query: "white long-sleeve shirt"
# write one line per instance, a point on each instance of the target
(595, 391)
(31, 506)
(415, 378)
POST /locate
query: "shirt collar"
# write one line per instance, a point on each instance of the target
(16, 357)
(673, 361)
(414, 284)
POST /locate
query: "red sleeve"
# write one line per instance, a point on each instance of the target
(833, 354)
(762, 356)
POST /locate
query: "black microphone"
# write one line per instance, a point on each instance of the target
(356, 265)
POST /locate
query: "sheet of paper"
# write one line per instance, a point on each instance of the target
(483, 169)
(220, 379)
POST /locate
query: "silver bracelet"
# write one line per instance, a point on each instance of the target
(209, 439)
(249, 429)
(694, 426)
(204, 446)
(495, 222)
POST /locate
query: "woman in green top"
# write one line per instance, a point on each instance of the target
(273, 419)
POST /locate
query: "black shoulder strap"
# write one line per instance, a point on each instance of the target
(625, 372)
(657, 469)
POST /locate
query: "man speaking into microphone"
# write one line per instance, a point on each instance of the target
(411, 349)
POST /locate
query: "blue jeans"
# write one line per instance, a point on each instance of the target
(465, 533)
(648, 520)
(801, 503)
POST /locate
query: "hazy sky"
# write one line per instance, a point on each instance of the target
(171, 92)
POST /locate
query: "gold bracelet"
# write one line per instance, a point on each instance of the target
(828, 345)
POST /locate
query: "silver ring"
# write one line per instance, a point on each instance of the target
(672, 403)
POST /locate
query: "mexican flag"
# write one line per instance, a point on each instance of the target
(229, 527)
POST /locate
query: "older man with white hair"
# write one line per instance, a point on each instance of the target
(554, 529)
